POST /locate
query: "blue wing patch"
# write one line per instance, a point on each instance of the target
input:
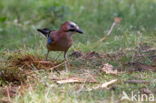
(49, 40)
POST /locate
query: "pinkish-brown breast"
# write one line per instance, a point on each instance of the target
(61, 41)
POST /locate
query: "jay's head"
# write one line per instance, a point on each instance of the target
(71, 27)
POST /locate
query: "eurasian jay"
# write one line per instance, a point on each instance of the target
(60, 40)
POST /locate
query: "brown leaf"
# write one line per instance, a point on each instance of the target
(5, 100)
(10, 91)
(76, 54)
(92, 55)
(108, 69)
(117, 20)
(146, 91)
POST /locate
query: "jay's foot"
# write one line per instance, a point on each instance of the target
(66, 65)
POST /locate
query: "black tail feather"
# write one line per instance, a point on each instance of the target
(44, 31)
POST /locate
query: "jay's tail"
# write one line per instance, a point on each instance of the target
(45, 31)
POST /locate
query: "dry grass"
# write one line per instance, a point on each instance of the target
(23, 70)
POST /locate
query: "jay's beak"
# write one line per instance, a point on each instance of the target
(79, 31)
(76, 30)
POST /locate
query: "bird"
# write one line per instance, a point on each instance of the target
(61, 39)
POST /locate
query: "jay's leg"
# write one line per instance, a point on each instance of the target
(65, 55)
(66, 61)
(47, 55)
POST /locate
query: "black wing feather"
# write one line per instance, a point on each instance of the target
(45, 31)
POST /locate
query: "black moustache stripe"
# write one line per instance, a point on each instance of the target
(71, 30)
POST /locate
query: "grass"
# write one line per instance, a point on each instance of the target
(18, 37)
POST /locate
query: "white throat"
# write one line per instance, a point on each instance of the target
(70, 33)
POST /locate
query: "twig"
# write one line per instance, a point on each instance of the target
(57, 65)
(137, 81)
(8, 94)
(117, 20)
(111, 29)
(104, 85)
(43, 62)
